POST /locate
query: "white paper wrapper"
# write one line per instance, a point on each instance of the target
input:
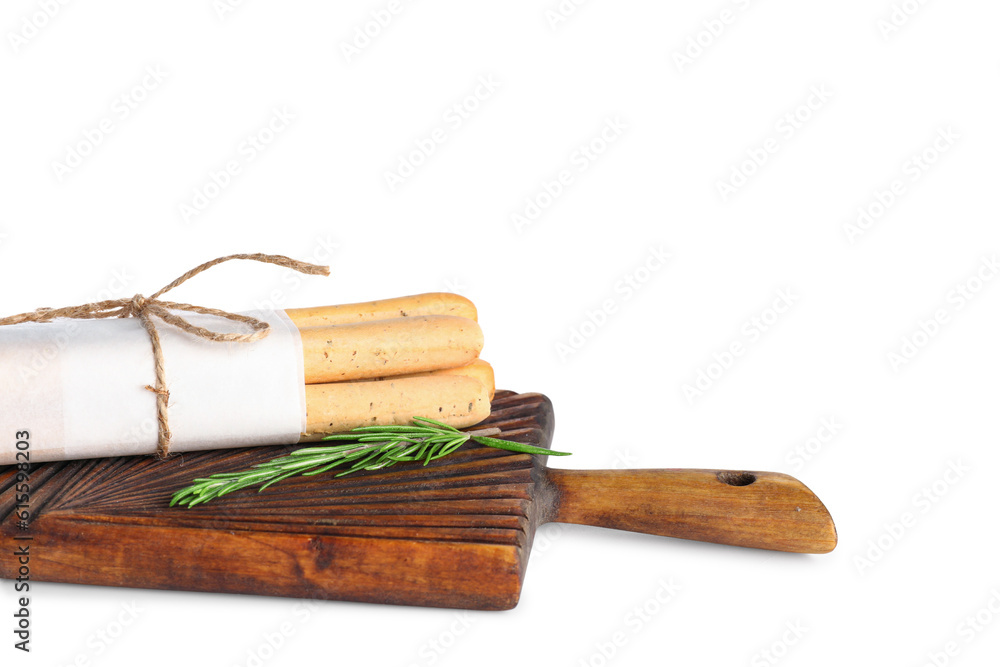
(78, 387)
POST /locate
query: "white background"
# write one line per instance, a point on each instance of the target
(113, 225)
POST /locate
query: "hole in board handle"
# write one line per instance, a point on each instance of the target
(733, 478)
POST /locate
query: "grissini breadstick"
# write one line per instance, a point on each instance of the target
(393, 347)
(478, 369)
(340, 406)
(433, 303)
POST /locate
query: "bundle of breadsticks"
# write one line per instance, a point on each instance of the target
(144, 375)
(384, 362)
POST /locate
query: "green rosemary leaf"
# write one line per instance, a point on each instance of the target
(439, 425)
(278, 479)
(517, 447)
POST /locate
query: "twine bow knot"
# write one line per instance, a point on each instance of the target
(146, 308)
(134, 307)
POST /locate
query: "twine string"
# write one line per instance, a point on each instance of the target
(147, 308)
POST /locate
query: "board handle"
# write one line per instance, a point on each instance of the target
(765, 510)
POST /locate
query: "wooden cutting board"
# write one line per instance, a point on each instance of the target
(456, 533)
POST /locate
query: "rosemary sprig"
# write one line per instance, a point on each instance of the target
(371, 448)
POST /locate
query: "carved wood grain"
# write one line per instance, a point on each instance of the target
(454, 533)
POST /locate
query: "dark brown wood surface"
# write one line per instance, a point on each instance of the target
(455, 533)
